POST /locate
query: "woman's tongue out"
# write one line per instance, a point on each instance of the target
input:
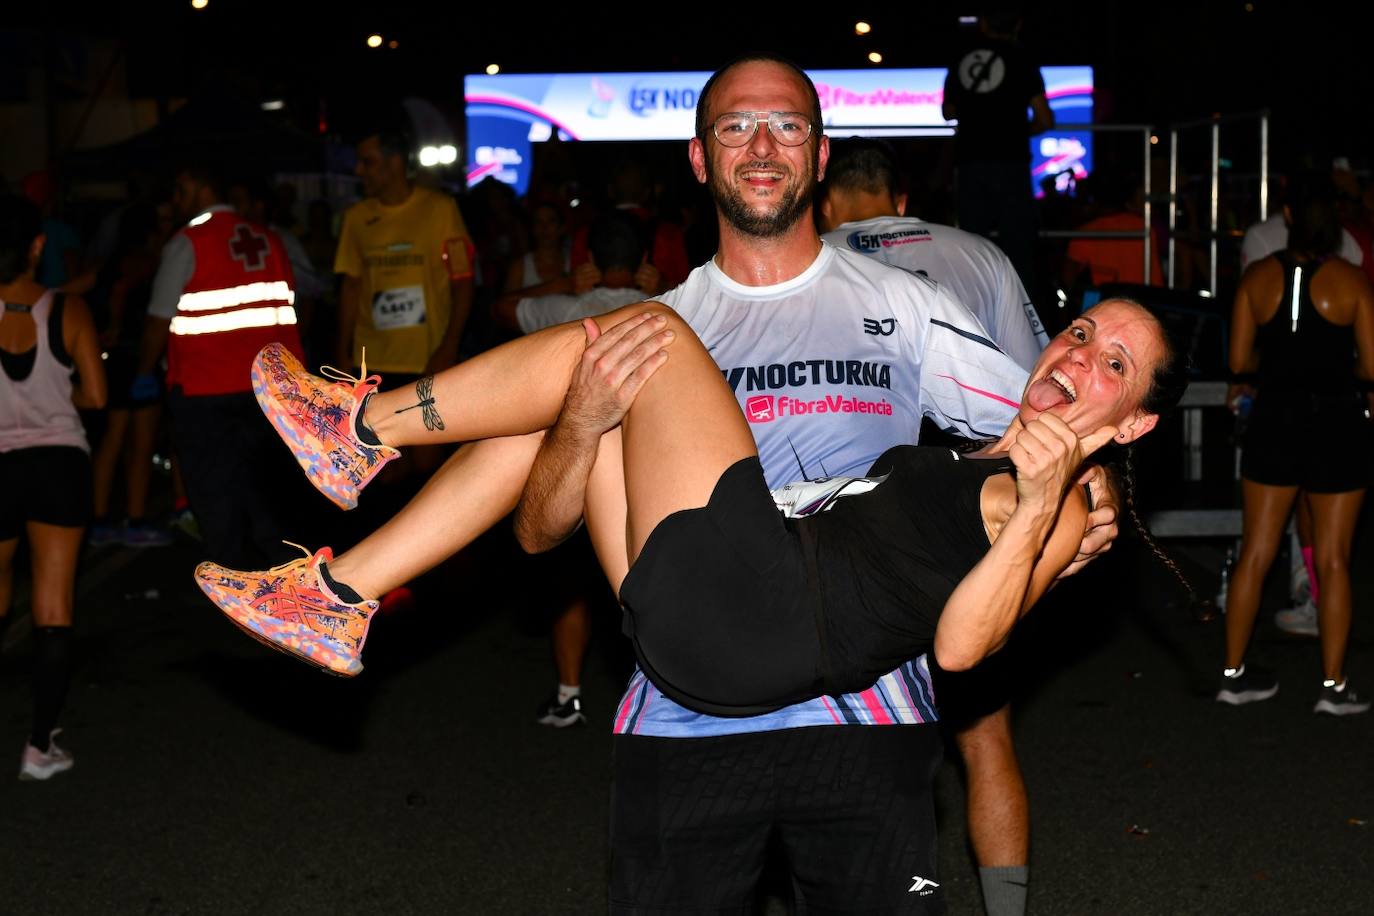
(1044, 394)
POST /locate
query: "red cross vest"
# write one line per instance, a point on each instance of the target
(238, 300)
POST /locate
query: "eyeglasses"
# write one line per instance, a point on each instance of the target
(736, 128)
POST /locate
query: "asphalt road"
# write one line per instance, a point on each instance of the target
(214, 776)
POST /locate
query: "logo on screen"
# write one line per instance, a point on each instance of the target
(601, 105)
(759, 409)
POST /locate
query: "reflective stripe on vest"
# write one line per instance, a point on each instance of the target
(265, 317)
(210, 299)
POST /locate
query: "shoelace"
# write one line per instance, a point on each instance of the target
(338, 375)
(289, 564)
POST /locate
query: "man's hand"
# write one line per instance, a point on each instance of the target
(648, 279)
(613, 369)
(1101, 529)
(605, 383)
(585, 277)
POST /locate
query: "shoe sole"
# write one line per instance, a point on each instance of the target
(556, 722)
(1248, 696)
(1340, 709)
(310, 452)
(29, 776)
(1302, 626)
(258, 626)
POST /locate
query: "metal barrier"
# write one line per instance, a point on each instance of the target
(1214, 122)
(1147, 131)
(1199, 523)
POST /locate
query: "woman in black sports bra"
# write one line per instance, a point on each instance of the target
(734, 610)
(1303, 328)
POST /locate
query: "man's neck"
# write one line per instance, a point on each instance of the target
(395, 195)
(859, 207)
(755, 261)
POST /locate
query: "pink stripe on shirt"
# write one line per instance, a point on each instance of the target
(875, 707)
(986, 394)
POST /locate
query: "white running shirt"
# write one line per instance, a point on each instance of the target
(974, 270)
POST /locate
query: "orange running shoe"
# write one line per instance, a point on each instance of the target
(290, 608)
(317, 418)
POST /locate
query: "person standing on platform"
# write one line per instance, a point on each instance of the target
(988, 90)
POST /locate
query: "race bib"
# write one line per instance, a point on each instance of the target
(402, 307)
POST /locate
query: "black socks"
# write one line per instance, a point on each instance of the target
(346, 594)
(360, 429)
(52, 671)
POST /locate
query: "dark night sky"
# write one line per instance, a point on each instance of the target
(1156, 62)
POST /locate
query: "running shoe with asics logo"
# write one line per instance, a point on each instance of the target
(289, 608)
(317, 418)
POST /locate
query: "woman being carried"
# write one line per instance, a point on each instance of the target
(732, 609)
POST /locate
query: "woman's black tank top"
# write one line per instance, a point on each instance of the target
(1300, 352)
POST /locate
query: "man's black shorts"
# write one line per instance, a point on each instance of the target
(849, 809)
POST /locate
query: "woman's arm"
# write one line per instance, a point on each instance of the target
(83, 343)
(1364, 332)
(1037, 542)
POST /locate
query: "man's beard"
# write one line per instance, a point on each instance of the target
(790, 207)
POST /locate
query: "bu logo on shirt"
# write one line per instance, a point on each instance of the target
(884, 326)
(759, 409)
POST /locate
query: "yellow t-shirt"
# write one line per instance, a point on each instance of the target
(405, 258)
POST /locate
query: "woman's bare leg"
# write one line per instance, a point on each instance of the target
(511, 390)
(682, 432)
(607, 512)
(1333, 530)
(472, 491)
(1265, 513)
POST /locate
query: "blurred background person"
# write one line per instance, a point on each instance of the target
(44, 463)
(120, 299)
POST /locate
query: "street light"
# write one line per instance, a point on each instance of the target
(430, 156)
(374, 41)
(199, 4)
(875, 57)
(862, 28)
(493, 69)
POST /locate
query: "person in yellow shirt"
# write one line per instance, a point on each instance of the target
(406, 260)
